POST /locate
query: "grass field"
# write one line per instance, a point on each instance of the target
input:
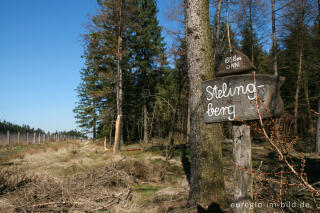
(79, 176)
(75, 176)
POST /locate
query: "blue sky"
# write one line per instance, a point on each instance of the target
(40, 59)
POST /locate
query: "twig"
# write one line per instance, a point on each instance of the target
(282, 157)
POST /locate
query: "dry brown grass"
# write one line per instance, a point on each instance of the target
(82, 177)
(95, 189)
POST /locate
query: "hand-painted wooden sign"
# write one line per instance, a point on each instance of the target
(236, 63)
(233, 98)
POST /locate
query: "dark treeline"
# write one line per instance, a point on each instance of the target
(5, 126)
(14, 128)
(130, 91)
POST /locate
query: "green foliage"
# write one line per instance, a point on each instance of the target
(143, 61)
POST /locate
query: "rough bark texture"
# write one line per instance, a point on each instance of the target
(118, 132)
(296, 103)
(207, 180)
(188, 124)
(242, 185)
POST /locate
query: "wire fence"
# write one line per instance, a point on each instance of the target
(26, 138)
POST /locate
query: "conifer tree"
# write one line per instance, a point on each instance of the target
(148, 50)
(87, 107)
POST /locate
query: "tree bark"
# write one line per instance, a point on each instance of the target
(116, 145)
(217, 31)
(118, 130)
(188, 124)
(275, 59)
(296, 104)
(251, 30)
(145, 123)
(94, 122)
(318, 120)
(207, 180)
(318, 126)
(274, 40)
(228, 26)
(306, 93)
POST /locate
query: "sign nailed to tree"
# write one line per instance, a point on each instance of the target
(234, 97)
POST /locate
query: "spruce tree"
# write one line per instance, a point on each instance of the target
(148, 48)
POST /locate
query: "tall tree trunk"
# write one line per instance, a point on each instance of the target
(94, 122)
(228, 26)
(118, 130)
(275, 58)
(306, 93)
(318, 120)
(318, 126)
(207, 180)
(145, 124)
(217, 31)
(188, 124)
(251, 31)
(274, 40)
(296, 104)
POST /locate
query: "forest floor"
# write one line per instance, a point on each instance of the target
(80, 176)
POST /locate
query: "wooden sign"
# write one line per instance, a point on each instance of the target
(233, 98)
(236, 63)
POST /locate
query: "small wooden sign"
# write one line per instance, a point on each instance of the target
(233, 98)
(235, 63)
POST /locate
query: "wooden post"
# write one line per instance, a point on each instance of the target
(8, 137)
(39, 137)
(34, 138)
(27, 138)
(243, 182)
(18, 137)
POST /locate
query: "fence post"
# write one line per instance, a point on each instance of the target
(8, 137)
(34, 138)
(27, 138)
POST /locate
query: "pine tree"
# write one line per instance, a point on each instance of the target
(107, 60)
(148, 49)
